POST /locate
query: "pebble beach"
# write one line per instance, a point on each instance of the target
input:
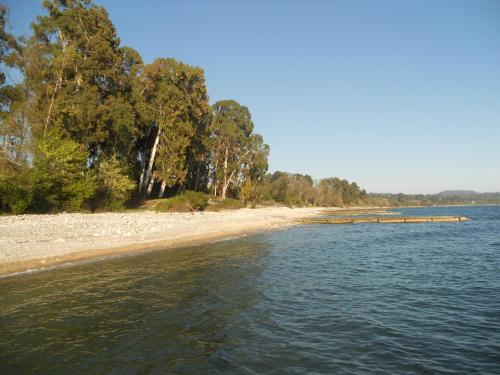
(32, 242)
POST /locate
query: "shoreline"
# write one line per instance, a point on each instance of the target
(31, 243)
(81, 256)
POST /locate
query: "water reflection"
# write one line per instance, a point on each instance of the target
(168, 309)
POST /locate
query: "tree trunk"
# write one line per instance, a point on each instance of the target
(147, 176)
(215, 177)
(162, 189)
(150, 185)
(144, 163)
(141, 179)
(223, 194)
(226, 185)
(57, 85)
(197, 177)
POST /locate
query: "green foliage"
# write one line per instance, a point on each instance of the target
(247, 191)
(236, 153)
(115, 186)
(225, 204)
(337, 192)
(7, 42)
(60, 176)
(291, 189)
(442, 198)
(174, 98)
(78, 77)
(188, 201)
(108, 106)
(300, 190)
(15, 191)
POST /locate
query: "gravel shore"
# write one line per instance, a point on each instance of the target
(30, 242)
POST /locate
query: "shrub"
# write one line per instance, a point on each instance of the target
(60, 176)
(114, 184)
(188, 201)
(15, 186)
(14, 197)
(226, 204)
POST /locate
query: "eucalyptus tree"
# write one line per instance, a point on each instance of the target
(77, 86)
(8, 42)
(336, 192)
(75, 72)
(14, 130)
(236, 153)
(174, 101)
(257, 165)
(292, 189)
(10, 134)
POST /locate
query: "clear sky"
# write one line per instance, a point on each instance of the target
(400, 96)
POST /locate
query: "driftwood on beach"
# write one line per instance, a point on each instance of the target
(391, 220)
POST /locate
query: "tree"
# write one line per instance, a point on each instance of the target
(76, 75)
(89, 117)
(174, 102)
(328, 193)
(61, 179)
(8, 42)
(114, 184)
(292, 189)
(235, 152)
(247, 191)
(15, 193)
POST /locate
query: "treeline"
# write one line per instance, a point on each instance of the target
(299, 190)
(91, 126)
(443, 198)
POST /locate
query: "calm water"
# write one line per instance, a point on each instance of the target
(373, 298)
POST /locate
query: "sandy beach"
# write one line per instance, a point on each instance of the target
(31, 242)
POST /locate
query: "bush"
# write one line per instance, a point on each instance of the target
(188, 201)
(60, 176)
(14, 197)
(226, 204)
(114, 185)
(15, 186)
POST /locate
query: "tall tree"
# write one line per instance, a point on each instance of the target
(234, 149)
(14, 128)
(11, 132)
(174, 102)
(75, 72)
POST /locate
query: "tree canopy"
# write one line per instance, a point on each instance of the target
(91, 126)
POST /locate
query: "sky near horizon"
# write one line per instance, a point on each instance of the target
(399, 96)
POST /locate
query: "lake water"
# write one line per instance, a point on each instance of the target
(367, 298)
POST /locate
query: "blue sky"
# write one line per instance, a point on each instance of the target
(400, 96)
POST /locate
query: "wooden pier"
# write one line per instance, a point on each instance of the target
(387, 220)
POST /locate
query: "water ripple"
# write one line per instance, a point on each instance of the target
(405, 299)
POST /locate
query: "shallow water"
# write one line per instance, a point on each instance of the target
(372, 298)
